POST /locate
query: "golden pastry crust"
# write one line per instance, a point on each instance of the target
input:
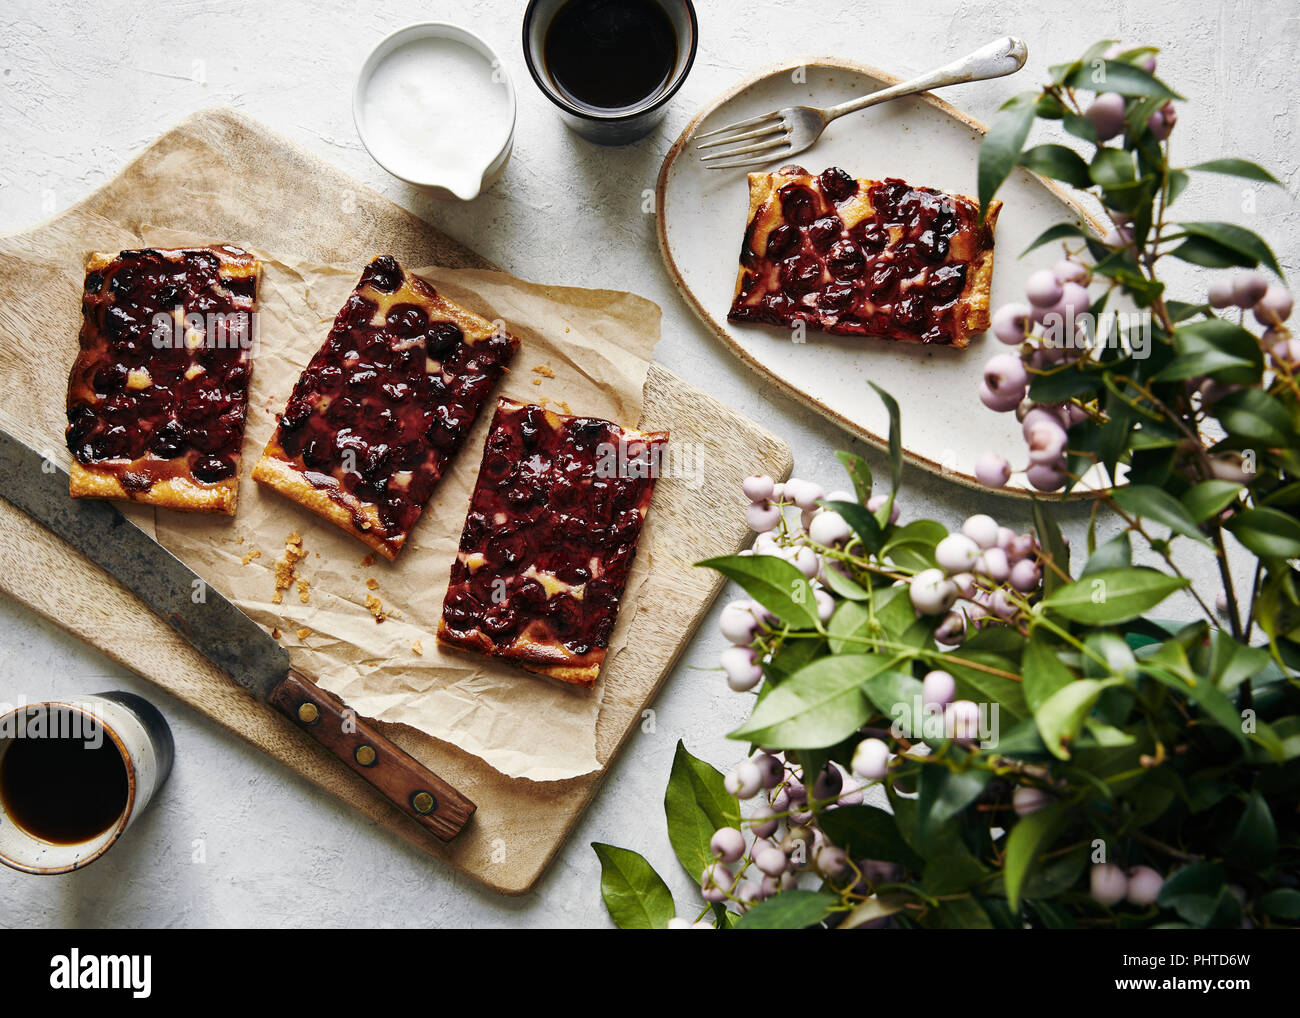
(149, 478)
(550, 604)
(841, 296)
(381, 356)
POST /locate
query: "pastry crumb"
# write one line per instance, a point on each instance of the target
(368, 560)
(303, 633)
(249, 556)
(544, 370)
(275, 633)
(564, 406)
(537, 381)
(304, 591)
(376, 608)
(372, 583)
(241, 539)
(418, 648)
(286, 568)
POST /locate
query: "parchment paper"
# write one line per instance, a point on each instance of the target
(594, 349)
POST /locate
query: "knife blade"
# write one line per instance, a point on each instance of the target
(223, 634)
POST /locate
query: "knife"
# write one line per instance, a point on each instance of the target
(225, 636)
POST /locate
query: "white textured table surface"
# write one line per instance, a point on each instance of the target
(83, 87)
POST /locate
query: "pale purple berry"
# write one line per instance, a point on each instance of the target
(715, 882)
(1026, 576)
(802, 493)
(870, 759)
(1106, 114)
(767, 822)
(771, 861)
(952, 630)
(828, 784)
(745, 781)
(1011, 323)
(938, 689)
(1021, 546)
(803, 558)
(1074, 300)
(1287, 353)
(1005, 374)
(1046, 477)
(727, 844)
(832, 861)
(1248, 287)
(678, 923)
(771, 768)
(762, 516)
(1046, 440)
(956, 553)
(1107, 884)
(825, 604)
(1043, 288)
(1040, 413)
(962, 720)
(1220, 293)
(748, 892)
(1274, 307)
(992, 470)
(742, 668)
(1027, 799)
(1002, 403)
(931, 592)
(982, 529)
(1001, 605)
(965, 584)
(1158, 125)
(796, 792)
(774, 885)
(993, 563)
(1144, 886)
(829, 528)
(1067, 270)
(852, 794)
(738, 622)
(876, 502)
(758, 487)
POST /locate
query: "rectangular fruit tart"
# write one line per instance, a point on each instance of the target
(158, 392)
(384, 405)
(549, 540)
(864, 257)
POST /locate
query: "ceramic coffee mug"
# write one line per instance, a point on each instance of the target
(74, 775)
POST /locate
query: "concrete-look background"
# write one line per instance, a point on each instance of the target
(236, 840)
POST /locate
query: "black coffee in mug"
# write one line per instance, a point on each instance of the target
(610, 55)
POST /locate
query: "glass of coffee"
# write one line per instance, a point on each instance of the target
(74, 775)
(610, 65)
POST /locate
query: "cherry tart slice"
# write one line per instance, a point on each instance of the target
(865, 258)
(549, 540)
(158, 393)
(384, 405)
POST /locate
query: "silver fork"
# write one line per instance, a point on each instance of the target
(789, 131)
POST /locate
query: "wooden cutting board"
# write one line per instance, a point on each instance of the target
(296, 210)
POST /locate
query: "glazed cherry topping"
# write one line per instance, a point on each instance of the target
(546, 504)
(146, 390)
(891, 273)
(379, 410)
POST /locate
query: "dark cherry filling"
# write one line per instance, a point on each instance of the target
(543, 503)
(141, 393)
(888, 274)
(372, 414)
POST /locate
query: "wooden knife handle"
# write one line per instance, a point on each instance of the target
(398, 776)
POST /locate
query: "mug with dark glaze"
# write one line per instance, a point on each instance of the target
(75, 775)
(595, 86)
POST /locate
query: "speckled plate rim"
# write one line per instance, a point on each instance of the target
(851, 426)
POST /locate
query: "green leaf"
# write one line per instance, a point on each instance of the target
(696, 805)
(1236, 238)
(1152, 503)
(1269, 533)
(636, 896)
(843, 586)
(1062, 714)
(891, 688)
(1232, 663)
(1210, 254)
(945, 793)
(1054, 548)
(1237, 168)
(1112, 596)
(1057, 162)
(772, 582)
(789, 910)
(1210, 498)
(1058, 232)
(964, 913)
(1042, 672)
(1280, 903)
(912, 545)
(868, 832)
(1112, 168)
(1117, 553)
(864, 524)
(817, 706)
(1255, 416)
(873, 908)
(1117, 76)
(859, 474)
(1214, 347)
(1196, 893)
(1254, 841)
(1029, 839)
(1001, 146)
(895, 453)
(1168, 665)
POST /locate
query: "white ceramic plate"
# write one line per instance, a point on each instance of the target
(701, 221)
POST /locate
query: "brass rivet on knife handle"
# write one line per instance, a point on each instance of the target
(394, 773)
(308, 713)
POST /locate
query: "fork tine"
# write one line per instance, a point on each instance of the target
(761, 132)
(762, 146)
(751, 122)
(749, 161)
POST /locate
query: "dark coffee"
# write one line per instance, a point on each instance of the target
(610, 55)
(61, 790)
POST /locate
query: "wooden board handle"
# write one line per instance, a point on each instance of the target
(398, 776)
